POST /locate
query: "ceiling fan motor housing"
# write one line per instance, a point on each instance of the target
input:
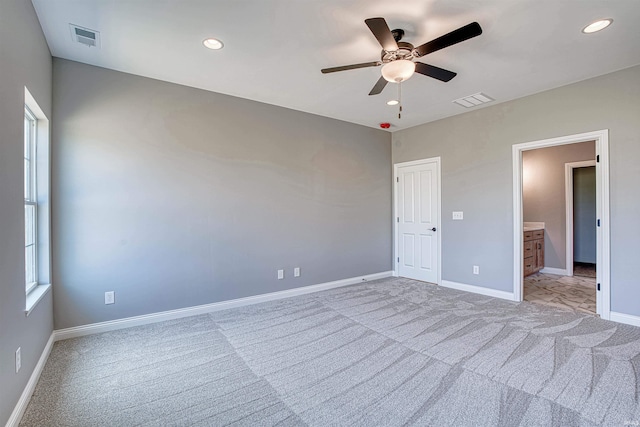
(405, 51)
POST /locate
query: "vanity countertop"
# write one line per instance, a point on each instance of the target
(530, 226)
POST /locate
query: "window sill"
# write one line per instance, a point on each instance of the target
(35, 296)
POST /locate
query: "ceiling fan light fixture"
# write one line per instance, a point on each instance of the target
(596, 26)
(213, 44)
(393, 102)
(398, 71)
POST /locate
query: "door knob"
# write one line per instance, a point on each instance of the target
(433, 229)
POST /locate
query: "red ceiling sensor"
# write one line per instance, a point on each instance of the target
(385, 125)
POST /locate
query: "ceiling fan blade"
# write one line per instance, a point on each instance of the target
(455, 36)
(435, 72)
(350, 67)
(381, 31)
(380, 84)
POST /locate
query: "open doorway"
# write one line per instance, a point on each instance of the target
(602, 221)
(549, 230)
(580, 185)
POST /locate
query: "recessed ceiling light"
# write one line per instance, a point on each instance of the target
(392, 102)
(214, 44)
(598, 25)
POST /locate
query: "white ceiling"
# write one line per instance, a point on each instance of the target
(274, 49)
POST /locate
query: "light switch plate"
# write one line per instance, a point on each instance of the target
(296, 272)
(280, 274)
(109, 297)
(457, 216)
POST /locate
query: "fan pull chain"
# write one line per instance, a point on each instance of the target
(399, 100)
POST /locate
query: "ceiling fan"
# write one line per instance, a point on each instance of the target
(397, 56)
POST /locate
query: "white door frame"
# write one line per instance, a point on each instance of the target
(603, 257)
(396, 238)
(568, 191)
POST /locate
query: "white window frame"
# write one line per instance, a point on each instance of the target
(31, 199)
(39, 196)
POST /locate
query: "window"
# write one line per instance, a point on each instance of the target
(30, 202)
(37, 203)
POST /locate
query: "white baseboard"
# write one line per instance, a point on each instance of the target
(20, 407)
(629, 319)
(557, 271)
(478, 290)
(112, 325)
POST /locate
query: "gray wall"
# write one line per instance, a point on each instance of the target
(477, 175)
(584, 214)
(543, 194)
(24, 61)
(175, 197)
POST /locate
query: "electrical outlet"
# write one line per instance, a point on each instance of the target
(18, 360)
(458, 216)
(280, 274)
(296, 272)
(476, 269)
(110, 297)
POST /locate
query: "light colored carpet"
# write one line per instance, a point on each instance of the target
(392, 352)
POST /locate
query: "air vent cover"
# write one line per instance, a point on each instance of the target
(85, 36)
(473, 100)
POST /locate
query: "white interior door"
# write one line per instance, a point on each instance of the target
(418, 220)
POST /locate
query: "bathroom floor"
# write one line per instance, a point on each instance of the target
(584, 269)
(575, 293)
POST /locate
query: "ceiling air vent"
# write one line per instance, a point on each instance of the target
(85, 36)
(473, 100)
